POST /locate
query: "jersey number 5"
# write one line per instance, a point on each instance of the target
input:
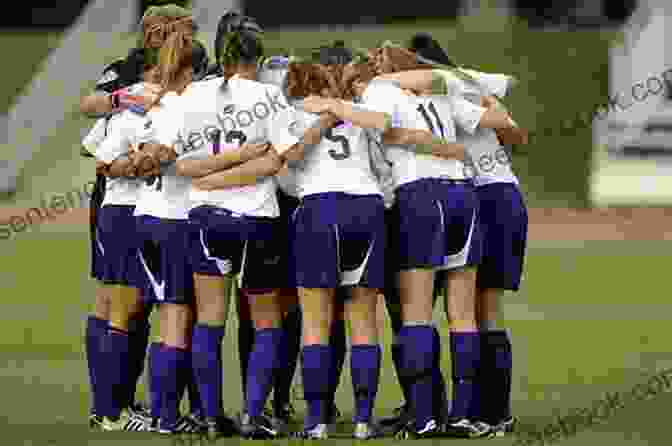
(343, 141)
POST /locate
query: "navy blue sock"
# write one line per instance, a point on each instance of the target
(245, 344)
(398, 361)
(315, 360)
(365, 372)
(338, 345)
(138, 338)
(155, 375)
(418, 360)
(117, 362)
(206, 360)
(440, 401)
(95, 331)
(290, 356)
(465, 349)
(496, 375)
(173, 364)
(264, 362)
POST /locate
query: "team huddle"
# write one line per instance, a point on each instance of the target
(303, 189)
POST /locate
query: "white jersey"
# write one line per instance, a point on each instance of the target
(340, 162)
(166, 196)
(119, 133)
(437, 114)
(221, 115)
(489, 161)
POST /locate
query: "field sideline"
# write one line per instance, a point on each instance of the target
(591, 319)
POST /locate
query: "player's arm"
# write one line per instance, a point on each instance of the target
(470, 116)
(419, 80)
(197, 168)
(424, 142)
(360, 116)
(243, 174)
(310, 138)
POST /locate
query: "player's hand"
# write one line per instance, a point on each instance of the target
(145, 164)
(489, 101)
(317, 104)
(101, 168)
(250, 151)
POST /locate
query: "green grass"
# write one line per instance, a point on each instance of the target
(565, 357)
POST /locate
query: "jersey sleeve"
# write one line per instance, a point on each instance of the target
(95, 137)
(466, 114)
(286, 127)
(495, 84)
(117, 142)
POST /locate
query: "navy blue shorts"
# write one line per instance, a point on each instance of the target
(225, 243)
(118, 241)
(288, 206)
(97, 196)
(339, 240)
(166, 275)
(503, 220)
(436, 225)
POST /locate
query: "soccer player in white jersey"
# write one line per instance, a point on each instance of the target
(503, 219)
(338, 175)
(163, 231)
(234, 212)
(437, 209)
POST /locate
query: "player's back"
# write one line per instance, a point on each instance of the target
(339, 163)
(223, 115)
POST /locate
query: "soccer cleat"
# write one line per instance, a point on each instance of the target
(464, 428)
(401, 417)
(183, 425)
(506, 426)
(431, 429)
(366, 431)
(139, 410)
(95, 421)
(317, 432)
(124, 422)
(219, 427)
(259, 428)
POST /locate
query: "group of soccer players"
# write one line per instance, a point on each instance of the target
(305, 188)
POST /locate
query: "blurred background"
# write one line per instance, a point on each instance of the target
(593, 315)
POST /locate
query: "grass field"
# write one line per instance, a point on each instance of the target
(591, 319)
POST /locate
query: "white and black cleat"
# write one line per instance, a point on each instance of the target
(464, 428)
(317, 432)
(183, 425)
(219, 427)
(506, 426)
(431, 429)
(259, 428)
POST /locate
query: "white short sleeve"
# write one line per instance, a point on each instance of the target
(113, 146)
(466, 114)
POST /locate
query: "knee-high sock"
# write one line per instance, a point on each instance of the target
(365, 372)
(173, 364)
(264, 362)
(418, 360)
(337, 342)
(206, 360)
(95, 332)
(155, 375)
(315, 360)
(288, 360)
(138, 338)
(245, 344)
(116, 372)
(465, 349)
(440, 401)
(495, 376)
(398, 361)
